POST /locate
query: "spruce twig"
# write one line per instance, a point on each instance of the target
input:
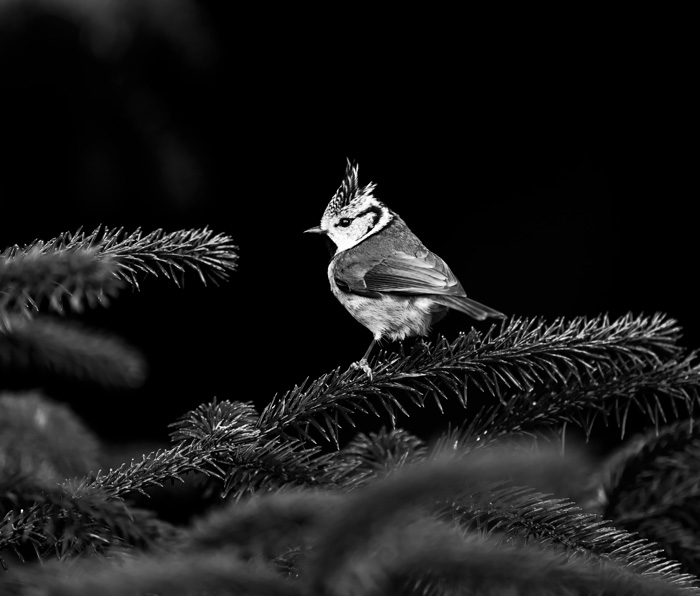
(43, 440)
(512, 510)
(50, 346)
(660, 391)
(54, 522)
(54, 276)
(374, 455)
(652, 487)
(265, 525)
(654, 472)
(218, 440)
(523, 355)
(211, 256)
(427, 559)
(523, 513)
(172, 574)
(77, 269)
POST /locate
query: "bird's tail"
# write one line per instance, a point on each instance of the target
(468, 306)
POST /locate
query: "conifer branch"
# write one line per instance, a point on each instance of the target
(662, 463)
(677, 533)
(652, 487)
(572, 370)
(50, 346)
(75, 269)
(42, 441)
(522, 355)
(218, 440)
(211, 256)
(250, 460)
(374, 455)
(152, 470)
(197, 573)
(57, 523)
(521, 512)
(427, 560)
(264, 526)
(660, 391)
(40, 275)
(513, 511)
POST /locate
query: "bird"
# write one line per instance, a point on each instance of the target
(382, 273)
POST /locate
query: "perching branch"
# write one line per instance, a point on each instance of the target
(523, 355)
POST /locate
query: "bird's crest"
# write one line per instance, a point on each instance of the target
(349, 190)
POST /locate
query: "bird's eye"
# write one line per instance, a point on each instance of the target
(345, 222)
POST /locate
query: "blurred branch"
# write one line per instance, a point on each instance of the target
(43, 440)
(49, 346)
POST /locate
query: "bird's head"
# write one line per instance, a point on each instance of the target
(353, 213)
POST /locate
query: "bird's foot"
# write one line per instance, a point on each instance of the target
(362, 364)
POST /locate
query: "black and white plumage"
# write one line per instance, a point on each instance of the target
(382, 273)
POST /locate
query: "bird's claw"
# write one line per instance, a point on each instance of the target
(362, 364)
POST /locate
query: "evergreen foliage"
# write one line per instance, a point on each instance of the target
(293, 508)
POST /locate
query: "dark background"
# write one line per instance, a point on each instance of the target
(554, 173)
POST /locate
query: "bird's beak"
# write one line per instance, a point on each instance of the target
(316, 230)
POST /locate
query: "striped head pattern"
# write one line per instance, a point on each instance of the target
(353, 213)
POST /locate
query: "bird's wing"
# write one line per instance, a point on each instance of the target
(400, 273)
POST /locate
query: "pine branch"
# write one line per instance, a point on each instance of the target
(46, 275)
(221, 441)
(253, 461)
(211, 256)
(197, 573)
(218, 440)
(678, 537)
(153, 470)
(652, 474)
(231, 444)
(51, 346)
(426, 558)
(377, 454)
(522, 355)
(264, 526)
(73, 270)
(514, 511)
(660, 391)
(525, 514)
(652, 487)
(486, 569)
(56, 522)
(42, 440)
